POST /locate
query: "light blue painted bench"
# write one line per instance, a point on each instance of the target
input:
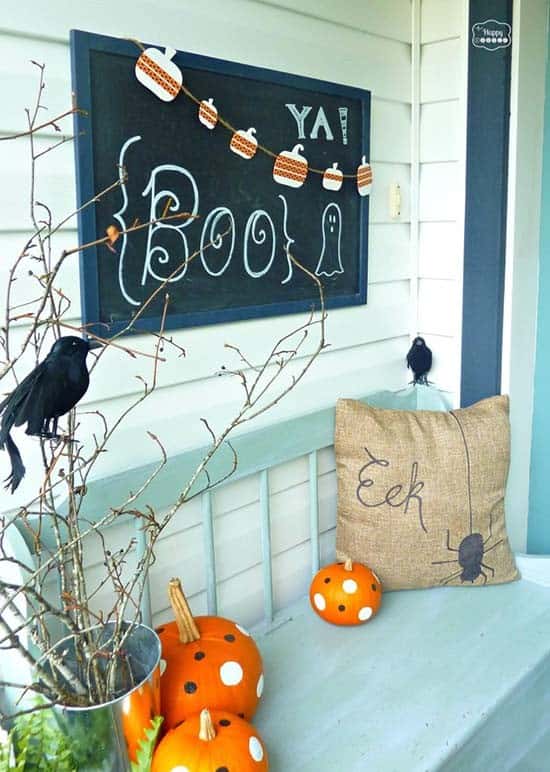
(454, 679)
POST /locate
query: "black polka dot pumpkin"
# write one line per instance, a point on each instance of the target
(214, 741)
(345, 593)
(206, 661)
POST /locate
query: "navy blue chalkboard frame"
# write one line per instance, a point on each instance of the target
(82, 44)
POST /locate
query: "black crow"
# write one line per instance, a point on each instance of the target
(419, 359)
(48, 392)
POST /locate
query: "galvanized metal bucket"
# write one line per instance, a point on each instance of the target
(105, 738)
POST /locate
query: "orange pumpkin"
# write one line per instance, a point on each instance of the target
(345, 593)
(138, 708)
(206, 661)
(215, 740)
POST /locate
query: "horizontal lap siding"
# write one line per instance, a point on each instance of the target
(441, 194)
(365, 45)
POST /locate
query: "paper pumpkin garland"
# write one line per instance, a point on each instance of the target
(244, 143)
(208, 113)
(158, 73)
(364, 178)
(207, 660)
(290, 167)
(345, 593)
(333, 178)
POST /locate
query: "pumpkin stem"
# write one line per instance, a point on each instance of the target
(348, 565)
(206, 729)
(187, 626)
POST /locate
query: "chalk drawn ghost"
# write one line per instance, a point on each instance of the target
(330, 261)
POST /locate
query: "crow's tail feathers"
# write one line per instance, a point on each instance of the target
(17, 469)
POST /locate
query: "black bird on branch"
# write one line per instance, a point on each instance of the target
(419, 360)
(48, 392)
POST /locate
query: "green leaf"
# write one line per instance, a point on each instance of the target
(40, 745)
(146, 746)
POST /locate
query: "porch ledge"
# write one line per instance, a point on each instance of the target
(447, 679)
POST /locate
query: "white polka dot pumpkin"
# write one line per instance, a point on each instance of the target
(207, 661)
(345, 593)
(214, 741)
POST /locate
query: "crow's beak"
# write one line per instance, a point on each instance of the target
(94, 344)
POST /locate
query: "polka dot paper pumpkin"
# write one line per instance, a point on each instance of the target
(214, 741)
(345, 593)
(207, 661)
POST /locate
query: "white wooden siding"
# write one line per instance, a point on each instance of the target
(357, 43)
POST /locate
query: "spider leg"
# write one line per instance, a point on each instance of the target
(484, 575)
(451, 577)
(440, 562)
(494, 545)
(451, 549)
(492, 570)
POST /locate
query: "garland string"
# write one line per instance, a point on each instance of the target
(232, 129)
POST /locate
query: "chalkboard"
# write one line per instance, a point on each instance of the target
(172, 159)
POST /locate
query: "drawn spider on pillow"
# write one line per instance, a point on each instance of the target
(472, 549)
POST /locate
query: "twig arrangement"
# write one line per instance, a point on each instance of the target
(52, 623)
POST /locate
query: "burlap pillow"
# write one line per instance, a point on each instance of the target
(421, 493)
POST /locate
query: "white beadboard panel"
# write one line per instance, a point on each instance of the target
(441, 71)
(440, 127)
(440, 254)
(439, 192)
(392, 20)
(384, 175)
(242, 31)
(439, 306)
(389, 254)
(442, 19)
(390, 132)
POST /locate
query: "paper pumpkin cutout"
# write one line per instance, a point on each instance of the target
(157, 72)
(333, 178)
(208, 113)
(290, 167)
(244, 143)
(364, 177)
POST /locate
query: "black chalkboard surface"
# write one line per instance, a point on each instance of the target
(172, 159)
